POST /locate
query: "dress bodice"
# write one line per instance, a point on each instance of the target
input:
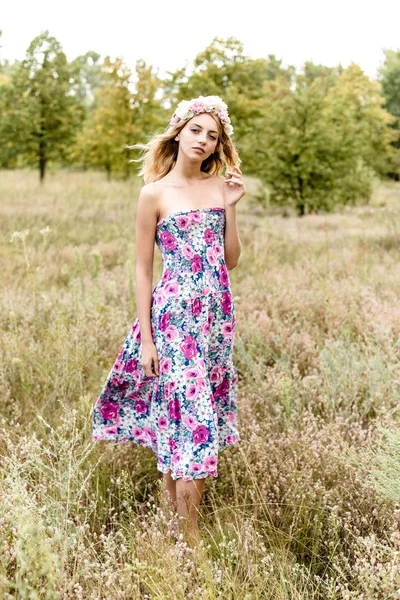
(191, 243)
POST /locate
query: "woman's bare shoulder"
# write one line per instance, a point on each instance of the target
(148, 201)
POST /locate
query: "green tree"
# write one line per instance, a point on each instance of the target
(124, 112)
(86, 70)
(41, 115)
(389, 76)
(318, 144)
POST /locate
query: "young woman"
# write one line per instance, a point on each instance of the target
(173, 387)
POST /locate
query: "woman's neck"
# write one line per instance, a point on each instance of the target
(187, 171)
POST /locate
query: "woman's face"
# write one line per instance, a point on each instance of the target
(199, 137)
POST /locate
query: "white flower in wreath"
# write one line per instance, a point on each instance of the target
(182, 110)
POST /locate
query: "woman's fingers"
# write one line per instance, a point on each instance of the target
(150, 364)
(235, 180)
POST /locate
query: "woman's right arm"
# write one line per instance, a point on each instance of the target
(146, 222)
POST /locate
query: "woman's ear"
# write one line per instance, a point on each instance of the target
(176, 138)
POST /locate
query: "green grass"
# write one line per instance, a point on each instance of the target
(299, 510)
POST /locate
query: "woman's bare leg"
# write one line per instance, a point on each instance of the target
(169, 498)
(188, 496)
(169, 489)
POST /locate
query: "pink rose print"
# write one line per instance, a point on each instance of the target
(150, 433)
(192, 391)
(230, 416)
(222, 389)
(196, 217)
(141, 407)
(138, 433)
(188, 251)
(213, 405)
(160, 297)
(169, 388)
(165, 364)
(210, 463)
(205, 328)
(200, 434)
(131, 365)
(183, 222)
(196, 307)
(171, 444)
(172, 288)
(168, 240)
(171, 333)
(176, 457)
(216, 375)
(196, 467)
(223, 275)
(188, 347)
(166, 276)
(212, 259)
(118, 366)
(197, 263)
(226, 303)
(120, 382)
(201, 384)
(192, 372)
(174, 409)
(217, 249)
(110, 429)
(164, 321)
(227, 330)
(190, 422)
(162, 424)
(231, 439)
(135, 328)
(209, 236)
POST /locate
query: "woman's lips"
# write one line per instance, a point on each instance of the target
(200, 150)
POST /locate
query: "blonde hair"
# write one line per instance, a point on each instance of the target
(160, 153)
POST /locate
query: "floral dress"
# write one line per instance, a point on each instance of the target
(188, 413)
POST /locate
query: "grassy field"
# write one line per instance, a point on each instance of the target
(305, 507)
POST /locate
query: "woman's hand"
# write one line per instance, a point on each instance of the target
(234, 187)
(149, 359)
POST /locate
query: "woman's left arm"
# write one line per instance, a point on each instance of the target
(234, 189)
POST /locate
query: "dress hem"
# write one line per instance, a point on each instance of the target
(126, 440)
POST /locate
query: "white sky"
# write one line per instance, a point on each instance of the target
(167, 34)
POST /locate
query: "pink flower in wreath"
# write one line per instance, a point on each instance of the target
(197, 107)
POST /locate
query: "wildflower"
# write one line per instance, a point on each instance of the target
(19, 235)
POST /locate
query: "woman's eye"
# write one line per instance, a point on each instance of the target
(213, 137)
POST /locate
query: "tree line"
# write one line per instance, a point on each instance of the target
(316, 137)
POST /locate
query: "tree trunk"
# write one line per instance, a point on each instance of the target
(42, 158)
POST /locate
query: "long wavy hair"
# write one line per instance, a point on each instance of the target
(161, 151)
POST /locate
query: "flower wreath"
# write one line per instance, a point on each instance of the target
(188, 108)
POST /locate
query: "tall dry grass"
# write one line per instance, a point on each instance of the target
(305, 506)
